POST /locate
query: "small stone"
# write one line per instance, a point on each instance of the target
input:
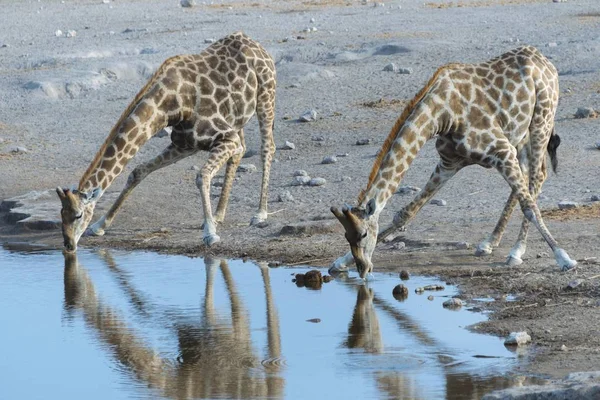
(598, 145)
(317, 182)
(187, 3)
(308, 116)
(317, 138)
(195, 168)
(463, 245)
(452, 303)
(314, 29)
(419, 290)
(71, 33)
(517, 338)
(552, 44)
(404, 275)
(288, 146)
(314, 320)
(300, 172)
(574, 284)
(408, 190)
(300, 181)
(17, 149)
(563, 348)
(391, 67)
(430, 297)
(585, 112)
(312, 20)
(567, 205)
(285, 197)
(329, 160)
(313, 279)
(595, 197)
(438, 202)
(434, 287)
(58, 33)
(327, 278)
(246, 168)
(250, 153)
(342, 155)
(209, 40)
(363, 142)
(398, 246)
(400, 292)
(105, 1)
(405, 71)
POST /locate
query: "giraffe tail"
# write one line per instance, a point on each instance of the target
(552, 146)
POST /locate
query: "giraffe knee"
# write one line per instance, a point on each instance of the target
(136, 176)
(529, 214)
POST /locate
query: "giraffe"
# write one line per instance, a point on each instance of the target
(207, 99)
(496, 114)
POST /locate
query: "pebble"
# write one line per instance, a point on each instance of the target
(574, 284)
(317, 138)
(246, 168)
(288, 146)
(308, 116)
(392, 237)
(250, 153)
(595, 197)
(438, 202)
(552, 44)
(408, 189)
(17, 149)
(404, 275)
(317, 182)
(434, 287)
(430, 298)
(517, 338)
(400, 292)
(187, 3)
(398, 246)
(363, 142)
(563, 348)
(463, 245)
(300, 180)
(285, 197)
(105, 1)
(559, 1)
(300, 172)
(391, 67)
(329, 160)
(405, 71)
(598, 145)
(585, 112)
(567, 205)
(209, 40)
(314, 320)
(312, 20)
(58, 33)
(71, 33)
(452, 303)
(419, 290)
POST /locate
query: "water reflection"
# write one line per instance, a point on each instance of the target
(216, 357)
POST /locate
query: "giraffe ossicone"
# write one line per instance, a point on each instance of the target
(496, 114)
(206, 99)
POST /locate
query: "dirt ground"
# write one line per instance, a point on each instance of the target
(61, 95)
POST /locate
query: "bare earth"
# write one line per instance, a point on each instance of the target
(61, 96)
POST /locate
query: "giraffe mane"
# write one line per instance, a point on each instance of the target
(387, 144)
(115, 129)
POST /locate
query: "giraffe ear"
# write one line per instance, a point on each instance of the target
(94, 195)
(371, 206)
(61, 194)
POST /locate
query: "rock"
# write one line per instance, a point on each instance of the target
(405, 71)
(452, 303)
(288, 146)
(419, 290)
(317, 182)
(404, 189)
(434, 287)
(585, 112)
(317, 138)
(250, 153)
(329, 160)
(574, 284)
(363, 142)
(285, 197)
(404, 275)
(327, 278)
(17, 150)
(58, 33)
(300, 172)
(462, 245)
(400, 292)
(36, 210)
(246, 168)
(598, 145)
(314, 320)
(308, 116)
(391, 67)
(209, 40)
(398, 246)
(577, 385)
(567, 205)
(438, 202)
(430, 298)
(342, 155)
(312, 279)
(595, 197)
(517, 339)
(300, 181)
(71, 33)
(312, 20)
(187, 3)
(564, 348)
(310, 227)
(552, 44)
(106, 1)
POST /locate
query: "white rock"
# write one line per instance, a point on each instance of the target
(317, 182)
(58, 33)
(453, 303)
(300, 180)
(286, 196)
(308, 116)
(405, 71)
(329, 160)
(391, 67)
(463, 245)
(552, 44)
(517, 338)
(209, 40)
(17, 149)
(246, 168)
(71, 33)
(288, 146)
(312, 20)
(438, 202)
(105, 1)
(405, 189)
(300, 172)
(567, 205)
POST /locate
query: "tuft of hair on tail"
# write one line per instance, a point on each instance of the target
(553, 144)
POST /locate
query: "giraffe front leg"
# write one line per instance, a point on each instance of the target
(168, 156)
(219, 154)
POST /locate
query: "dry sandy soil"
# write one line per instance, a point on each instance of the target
(61, 96)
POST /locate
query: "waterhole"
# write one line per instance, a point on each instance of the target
(117, 325)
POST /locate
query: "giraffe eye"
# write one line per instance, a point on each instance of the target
(364, 235)
(79, 216)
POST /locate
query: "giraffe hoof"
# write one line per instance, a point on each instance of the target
(563, 260)
(513, 261)
(92, 231)
(209, 240)
(257, 219)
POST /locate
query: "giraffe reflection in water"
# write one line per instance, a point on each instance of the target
(216, 358)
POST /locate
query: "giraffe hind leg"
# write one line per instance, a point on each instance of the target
(232, 166)
(169, 156)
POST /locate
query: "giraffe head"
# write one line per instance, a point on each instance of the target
(76, 213)
(361, 225)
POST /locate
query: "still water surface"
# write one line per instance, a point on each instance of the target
(119, 325)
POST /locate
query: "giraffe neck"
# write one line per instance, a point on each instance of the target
(124, 141)
(418, 128)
